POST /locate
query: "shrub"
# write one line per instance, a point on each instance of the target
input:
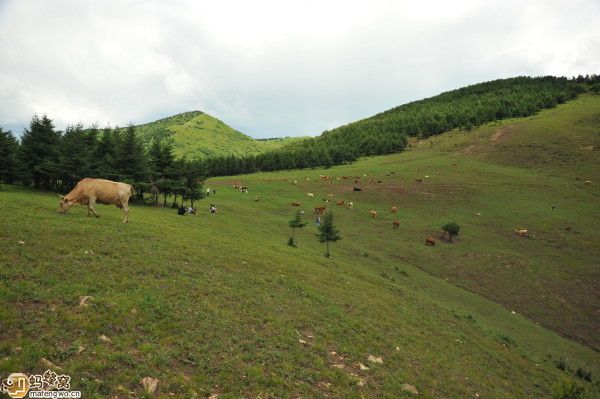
(566, 388)
(561, 364)
(452, 229)
(583, 374)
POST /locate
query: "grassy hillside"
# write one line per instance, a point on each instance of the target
(218, 304)
(198, 135)
(387, 132)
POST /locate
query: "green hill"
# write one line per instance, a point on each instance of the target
(219, 304)
(387, 132)
(197, 135)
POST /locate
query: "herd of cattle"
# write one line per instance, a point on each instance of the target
(90, 192)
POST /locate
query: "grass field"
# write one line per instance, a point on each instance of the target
(218, 304)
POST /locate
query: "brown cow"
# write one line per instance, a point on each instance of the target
(429, 241)
(295, 203)
(373, 214)
(419, 180)
(320, 210)
(396, 223)
(394, 209)
(341, 202)
(91, 191)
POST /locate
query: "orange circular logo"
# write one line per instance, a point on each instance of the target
(17, 385)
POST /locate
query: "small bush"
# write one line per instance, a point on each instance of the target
(583, 374)
(452, 229)
(562, 364)
(566, 388)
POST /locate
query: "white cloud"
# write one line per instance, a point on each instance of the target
(271, 68)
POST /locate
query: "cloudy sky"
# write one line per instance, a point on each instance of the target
(273, 68)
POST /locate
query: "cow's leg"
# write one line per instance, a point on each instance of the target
(91, 205)
(125, 205)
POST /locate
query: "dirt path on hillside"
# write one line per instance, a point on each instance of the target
(501, 133)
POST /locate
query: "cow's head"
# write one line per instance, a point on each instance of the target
(64, 204)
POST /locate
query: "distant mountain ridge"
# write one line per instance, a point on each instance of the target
(198, 135)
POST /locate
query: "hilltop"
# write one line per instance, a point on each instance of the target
(219, 304)
(197, 135)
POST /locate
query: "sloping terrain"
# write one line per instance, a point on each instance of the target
(198, 135)
(218, 304)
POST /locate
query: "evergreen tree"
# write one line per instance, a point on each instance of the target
(105, 155)
(131, 160)
(9, 161)
(327, 232)
(75, 156)
(39, 152)
(295, 223)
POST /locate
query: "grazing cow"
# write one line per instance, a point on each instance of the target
(341, 202)
(295, 182)
(91, 191)
(345, 177)
(379, 182)
(419, 180)
(310, 195)
(320, 210)
(429, 241)
(295, 203)
(257, 198)
(373, 214)
(587, 182)
(521, 232)
(394, 209)
(356, 189)
(396, 223)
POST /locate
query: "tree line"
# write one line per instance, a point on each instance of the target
(51, 159)
(387, 132)
(47, 158)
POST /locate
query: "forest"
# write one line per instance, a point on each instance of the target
(48, 158)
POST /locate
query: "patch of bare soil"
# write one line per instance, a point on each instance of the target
(501, 133)
(468, 149)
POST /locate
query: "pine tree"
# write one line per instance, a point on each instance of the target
(130, 158)
(9, 162)
(327, 232)
(39, 152)
(295, 223)
(75, 156)
(105, 155)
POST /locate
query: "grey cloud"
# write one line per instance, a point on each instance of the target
(271, 69)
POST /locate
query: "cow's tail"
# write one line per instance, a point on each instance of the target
(131, 189)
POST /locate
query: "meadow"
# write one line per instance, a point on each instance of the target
(219, 304)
